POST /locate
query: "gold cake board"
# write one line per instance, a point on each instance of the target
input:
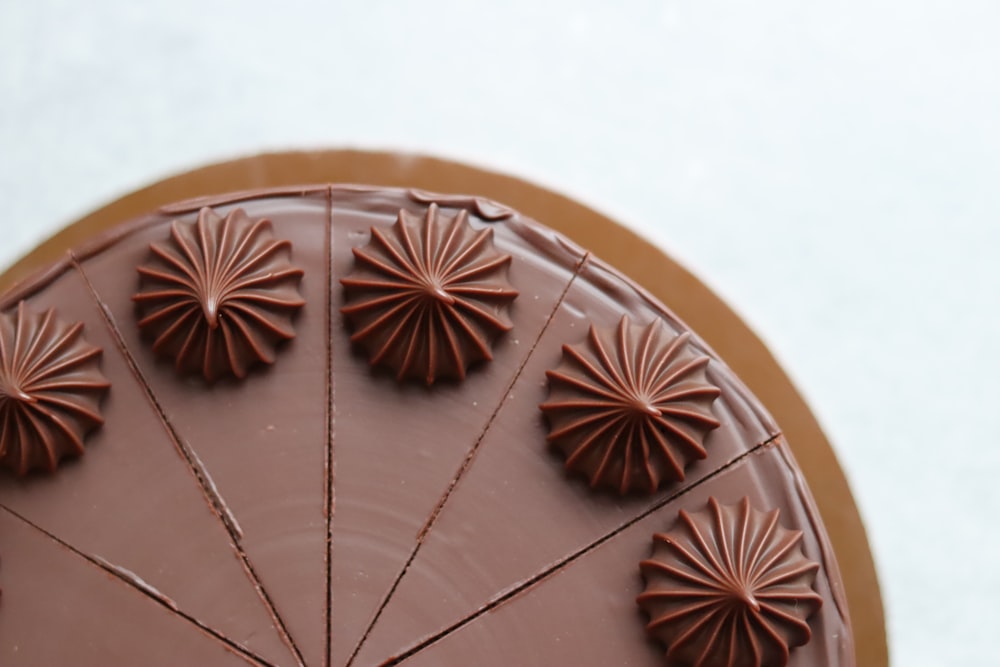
(649, 266)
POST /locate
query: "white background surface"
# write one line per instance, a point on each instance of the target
(832, 169)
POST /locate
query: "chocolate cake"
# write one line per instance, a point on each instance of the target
(341, 425)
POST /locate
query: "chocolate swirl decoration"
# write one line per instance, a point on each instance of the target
(220, 295)
(729, 587)
(629, 408)
(427, 297)
(51, 388)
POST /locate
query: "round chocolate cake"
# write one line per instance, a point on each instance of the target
(347, 426)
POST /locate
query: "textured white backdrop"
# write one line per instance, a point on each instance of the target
(832, 169)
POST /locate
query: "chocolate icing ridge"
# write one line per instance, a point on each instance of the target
(548, 242)
(103, 240)
(36, 281)
(211, 201)
(487, 209)
(114, 235)
(45, 276)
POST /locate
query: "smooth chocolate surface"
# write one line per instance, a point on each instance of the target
(324, 512)
(81, 603)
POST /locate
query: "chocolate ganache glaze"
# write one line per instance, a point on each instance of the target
(360, 426)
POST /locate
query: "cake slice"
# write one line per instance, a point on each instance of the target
(100, 619)
(398, 445)
(132, 502)
(260, 440)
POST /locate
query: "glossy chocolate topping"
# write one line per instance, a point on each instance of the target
(91, 617)
(51, 388)
(321, 512)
